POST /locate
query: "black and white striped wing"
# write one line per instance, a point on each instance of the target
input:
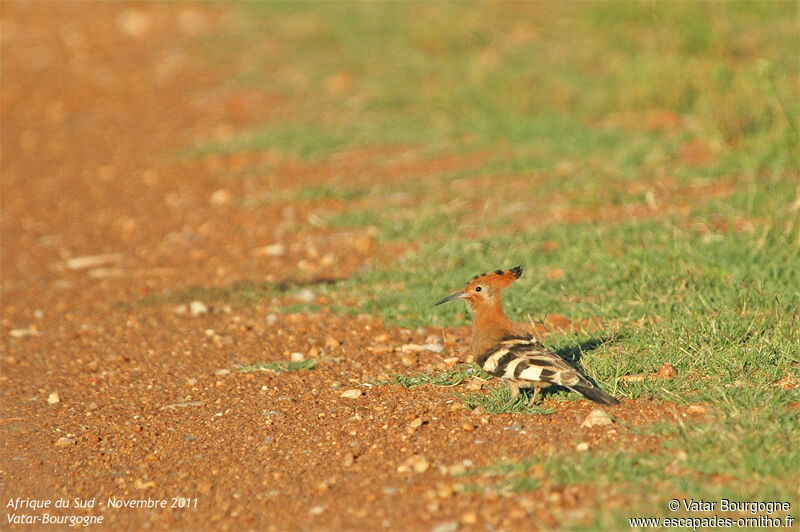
(524, 359)
(528, 363)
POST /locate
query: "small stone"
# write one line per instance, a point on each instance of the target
(666, 371)
(65, 442)
(469, 518)
(787, 382)
(91, 261)
(305, 296)
(696, 410)
(433, 347)
(297, 357)
(330, 341)
(445, 491)
(322, 486)
(316, 510)
(38, 314)
(407, 360)
(382, 338)
(516, 427)
(447, 526)
(352, 394)
(197, 308)
(411, 348)
(420, 464)
(348, 460)
(313, 353)
(223, 371)
(221, 197)
(596, 417)
(191, 381)
(450, 361)
(416, 463)
(141, 485)
(183, 405)
(133, 23)
(456, 470)
(53, 398)
(271, 319)
(474, 386)
(415, 423)
(416, 348)
(468, 427)
(269, 440)
(181, 309)
(478, 411)
(582, 447)
(327, 260)
(22, 333)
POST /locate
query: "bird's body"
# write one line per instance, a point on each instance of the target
(508, 352)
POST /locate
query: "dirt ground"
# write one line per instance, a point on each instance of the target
(106, 396)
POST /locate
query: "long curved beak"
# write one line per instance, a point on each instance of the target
(457, 295)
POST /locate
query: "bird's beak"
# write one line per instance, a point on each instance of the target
(457, 295)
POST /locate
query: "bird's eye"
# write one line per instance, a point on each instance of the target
(477, 288)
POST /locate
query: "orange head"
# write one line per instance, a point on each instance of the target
(484, 290)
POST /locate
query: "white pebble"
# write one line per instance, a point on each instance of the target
(22, 333)
(447, 526)
(598, 416)
(305, 296)
(221, 197)
(196, 308)
(273, 250)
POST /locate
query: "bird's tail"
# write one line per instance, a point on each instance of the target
(595, 394)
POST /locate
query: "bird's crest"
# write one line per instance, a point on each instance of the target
(498, 278)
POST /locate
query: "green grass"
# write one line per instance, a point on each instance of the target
(278, 366)
(689, 263)
(497, 401)
(514, 76)
(448, 378)
(732, 458)
(308, 193)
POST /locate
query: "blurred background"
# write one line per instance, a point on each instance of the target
(214, 209)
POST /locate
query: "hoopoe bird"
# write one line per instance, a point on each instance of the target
(508, 351)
